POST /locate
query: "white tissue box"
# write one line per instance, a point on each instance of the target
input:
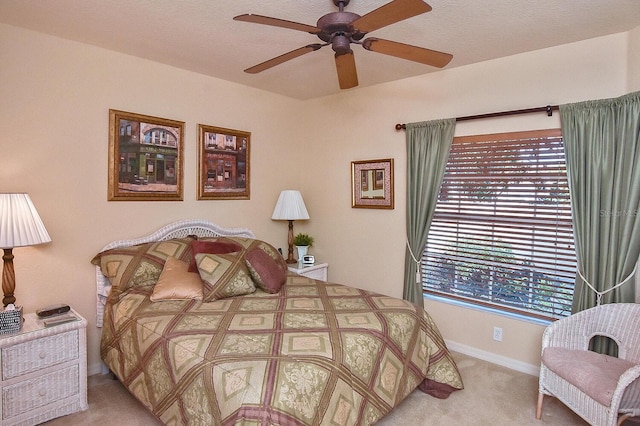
(11, 320)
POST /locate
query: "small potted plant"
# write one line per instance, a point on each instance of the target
(302, 243)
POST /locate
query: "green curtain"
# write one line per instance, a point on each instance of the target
(428, 145)
(602, 146)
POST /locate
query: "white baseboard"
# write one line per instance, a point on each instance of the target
(511, 363)
(99, 368)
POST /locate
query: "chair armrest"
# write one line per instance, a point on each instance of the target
(630, 382)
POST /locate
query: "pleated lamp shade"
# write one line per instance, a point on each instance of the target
(290, 206)
(20, 223)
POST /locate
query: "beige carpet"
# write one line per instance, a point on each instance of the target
(493, 396)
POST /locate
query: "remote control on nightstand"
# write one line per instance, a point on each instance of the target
(48, 311)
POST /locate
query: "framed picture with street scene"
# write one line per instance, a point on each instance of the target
(223, 163)
(145, 157)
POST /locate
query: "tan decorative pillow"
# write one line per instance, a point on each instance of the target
(224, 275)
(142, 264)
(177, 283)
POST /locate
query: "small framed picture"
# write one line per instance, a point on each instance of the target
(145, 157)
(372, 184)
(223, 163)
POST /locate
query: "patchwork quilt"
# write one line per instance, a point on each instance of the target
(315, 353)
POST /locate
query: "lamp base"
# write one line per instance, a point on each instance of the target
(8, 278)
(290, 258)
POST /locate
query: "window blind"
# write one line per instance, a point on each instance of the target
(502, 233)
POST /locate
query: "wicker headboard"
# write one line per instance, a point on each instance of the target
(181, 229)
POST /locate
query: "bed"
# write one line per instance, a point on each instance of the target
(303, 352)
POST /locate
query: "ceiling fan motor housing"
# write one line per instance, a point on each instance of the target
(337, 29)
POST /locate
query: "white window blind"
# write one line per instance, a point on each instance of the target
(502, 233)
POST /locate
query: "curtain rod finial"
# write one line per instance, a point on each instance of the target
(401, 127)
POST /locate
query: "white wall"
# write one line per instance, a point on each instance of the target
(634, 60)
(54, 125)
(56, 96)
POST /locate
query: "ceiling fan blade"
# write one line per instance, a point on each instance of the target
(346, 67)
(275, 22)
(390, 13)
(283, 58)
(407, 51)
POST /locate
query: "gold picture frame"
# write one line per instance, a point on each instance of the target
(145, 158)
(223, 163)
(372, 184)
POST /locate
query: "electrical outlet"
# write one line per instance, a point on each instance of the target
(497, 334)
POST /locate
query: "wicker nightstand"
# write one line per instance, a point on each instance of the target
(316, 271)
(43, 371)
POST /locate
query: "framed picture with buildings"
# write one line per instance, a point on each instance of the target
(372, 184)
(145, 158)
(223, 163)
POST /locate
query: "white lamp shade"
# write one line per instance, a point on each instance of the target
(20, 224)
(290, 206)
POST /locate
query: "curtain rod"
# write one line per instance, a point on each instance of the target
(548, 109)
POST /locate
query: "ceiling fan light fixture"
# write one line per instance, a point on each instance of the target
(340, 44)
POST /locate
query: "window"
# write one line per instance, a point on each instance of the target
(502, 234)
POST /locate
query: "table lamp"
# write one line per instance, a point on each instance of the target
(20, 226)
(290, 206)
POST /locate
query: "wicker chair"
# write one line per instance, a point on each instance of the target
(596, 387)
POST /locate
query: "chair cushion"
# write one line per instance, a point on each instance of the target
(594, 374)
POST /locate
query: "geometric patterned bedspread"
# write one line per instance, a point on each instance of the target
(315, 353)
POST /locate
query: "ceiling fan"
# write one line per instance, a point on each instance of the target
(341, 29)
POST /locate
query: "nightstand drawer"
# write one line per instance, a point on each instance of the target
(40, 391)
(37, 354)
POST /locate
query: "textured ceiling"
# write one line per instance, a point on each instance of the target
(201, 35)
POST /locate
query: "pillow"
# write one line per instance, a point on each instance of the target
(142, 264)
(266, 272)
(250, 243)
(177, 283)
(224, 275)
(213, 246)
